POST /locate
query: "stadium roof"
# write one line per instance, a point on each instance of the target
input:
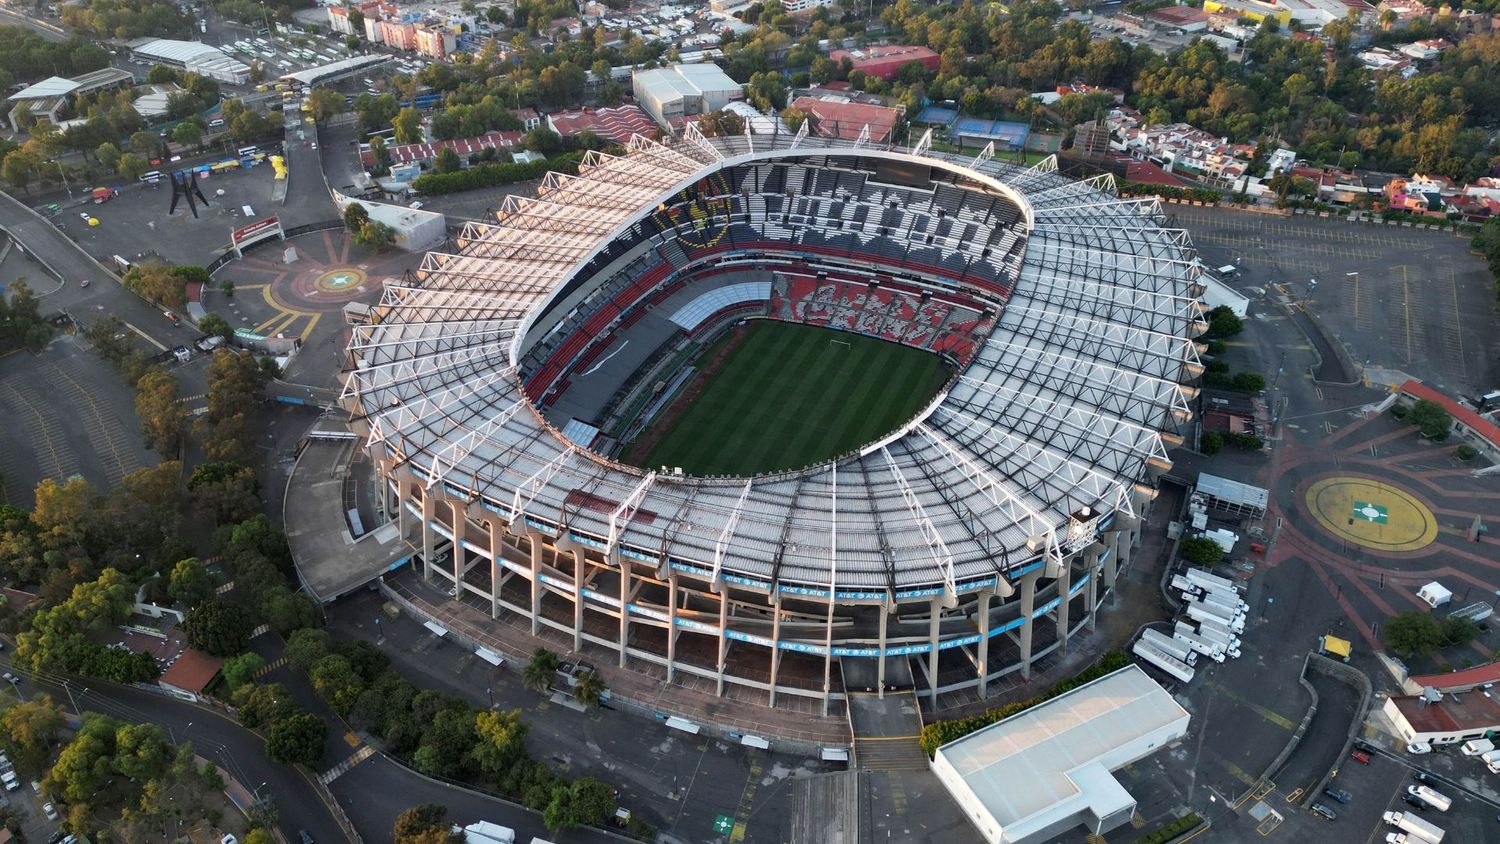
(1062, 407)
(1058, 753)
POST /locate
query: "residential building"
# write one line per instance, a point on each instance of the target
(1426, 49)
(528, 117)
(338, 20)
(1281, 159)
(1382, 60)
(684, 90)
(398, 34)
(1049, 770)
(617, 123)
(884, 62)
(435, 41)
(190, 673)
(797, 7)
(1178, 146)
(425, 153)
(846, 120)
(49, 100)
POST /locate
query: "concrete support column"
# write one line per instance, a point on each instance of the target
(933, 622)
(671, 626)
(885, 614)
(1091, 591)
(983, 663)
(1112, 561)
(1028, 606)
(400, 512)
(534, 545)
(1064, 605)
(775, 644)
(427, 541)
(497, 546)
(456, 518)
(723, 639)
(624, 568)
(578, 569)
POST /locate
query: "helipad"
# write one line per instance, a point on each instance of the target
(1372, 513)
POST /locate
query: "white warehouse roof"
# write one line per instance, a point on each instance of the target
(1023, 775)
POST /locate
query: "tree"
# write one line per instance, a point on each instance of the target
(108, 155)
(426, 823)
(216, 326)
(297, 739)
(593, 802)
(337, 683)
(588, 687)
(1200, 551)
(159, 282)
(1458, 630)
(543, 140)
(1222, 323)
(1249, 382)
(500, 741)
(218, 627)
(31, 728)
(357, 20)
(287, 611)
(159, 408)
(1431, 419)
(190, 584)
(1212, 442)
(258, 705)
(408, 126)
(145, 143)
(259, 835)
(18, 168)
(447, 161)
(224, 492)
(325, 103)
(241, 669)
(355, 217)
(377, 236)
(1413, 633)
(306, 647)
(188, 134)
(540, 669)
(234, 384)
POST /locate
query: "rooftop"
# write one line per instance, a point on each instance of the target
(191, 671)
(845, 120)
(1465, 679)
(1452, 713)
(1052, 753)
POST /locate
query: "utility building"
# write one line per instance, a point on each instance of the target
(684, 90)
(1039, 774)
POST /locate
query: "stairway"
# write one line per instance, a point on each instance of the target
(886, 732)
(889, 753)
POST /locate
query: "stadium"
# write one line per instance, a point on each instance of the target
(777, 417)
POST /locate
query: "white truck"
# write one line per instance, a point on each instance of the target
(1163, 660)
(1209, 581)
(1185, 586)
(1414, 827)
(1201, 645)
(1233, 604)
(1221, 613)
(1435, 799)
(1200, 612)
(1214, 633)
(1180, 650)
(1187, 632)
(1227, 596)
(485, 832)
(1476, 747)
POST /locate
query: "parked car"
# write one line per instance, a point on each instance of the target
(1419, 805)
(1324, 812)
(1360, 756)
(1418, 748)
(1361, 744)
(1338, 794)
(49, 811)
(1422, 776)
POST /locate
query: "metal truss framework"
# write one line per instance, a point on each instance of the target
(1063, 407)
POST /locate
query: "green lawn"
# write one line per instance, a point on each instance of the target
(794, 395)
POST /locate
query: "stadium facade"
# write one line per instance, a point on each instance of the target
(953, 551)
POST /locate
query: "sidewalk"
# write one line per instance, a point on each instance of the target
(627, 686)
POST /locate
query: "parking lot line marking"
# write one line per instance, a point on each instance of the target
(148, 337)
(1270, 715)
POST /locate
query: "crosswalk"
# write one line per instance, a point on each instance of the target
(338, 770)
(269, 667)
(194, 397)
(260, 631)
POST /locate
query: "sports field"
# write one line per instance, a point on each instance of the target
(789, 396)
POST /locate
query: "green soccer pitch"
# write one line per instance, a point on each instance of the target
(794, 395)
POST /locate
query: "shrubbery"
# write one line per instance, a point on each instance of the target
(1170, 192)
(490, 175)
(1175, 829)
(939, 733)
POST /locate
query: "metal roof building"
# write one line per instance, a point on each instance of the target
(193, 56)
(1012, 499)
(1046, 771)
(684, 90)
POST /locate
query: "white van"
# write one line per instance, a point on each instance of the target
(1477, 747)
(151, 177)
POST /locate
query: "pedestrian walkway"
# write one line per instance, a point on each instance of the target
(260, 631)
(625, 684)
(338, 770)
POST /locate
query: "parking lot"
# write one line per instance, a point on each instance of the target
(1399, 299)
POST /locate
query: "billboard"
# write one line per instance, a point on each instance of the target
(256, 230)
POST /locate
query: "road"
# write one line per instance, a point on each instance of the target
(215, 736)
